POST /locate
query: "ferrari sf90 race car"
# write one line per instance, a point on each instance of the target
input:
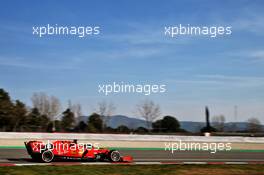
(71, 150)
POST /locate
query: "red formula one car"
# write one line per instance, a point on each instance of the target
(64, 149)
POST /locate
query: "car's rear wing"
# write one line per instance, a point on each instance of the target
(28, 147)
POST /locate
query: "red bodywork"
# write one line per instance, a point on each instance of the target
(65, 149)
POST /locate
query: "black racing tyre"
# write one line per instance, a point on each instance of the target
(47, 156)
(114, 156)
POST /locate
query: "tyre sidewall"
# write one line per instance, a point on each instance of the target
(44, 154)
(111, 156)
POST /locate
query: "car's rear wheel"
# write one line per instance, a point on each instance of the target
(47, 156)
(114, 156)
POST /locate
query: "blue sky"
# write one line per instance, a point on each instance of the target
(219, 72)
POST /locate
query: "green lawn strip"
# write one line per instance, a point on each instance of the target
(12, 147)
(134, 170)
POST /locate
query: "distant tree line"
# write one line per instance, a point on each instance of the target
(45, 116)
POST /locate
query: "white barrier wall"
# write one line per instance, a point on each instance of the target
(127, 137)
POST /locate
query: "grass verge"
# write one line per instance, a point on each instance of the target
(135, 170)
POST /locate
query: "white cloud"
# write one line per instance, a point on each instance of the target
(254, 55)
(22, 62)
(238, 81)
(251, 21)
(259, 54)
(216, 82)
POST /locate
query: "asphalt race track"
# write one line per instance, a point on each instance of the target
(20, 156)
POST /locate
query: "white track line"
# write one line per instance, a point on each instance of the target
(195, 163)
(31, 164)
(236, 163)
(134, 163)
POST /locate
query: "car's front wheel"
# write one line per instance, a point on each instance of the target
(114, 156)
(47, 156)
